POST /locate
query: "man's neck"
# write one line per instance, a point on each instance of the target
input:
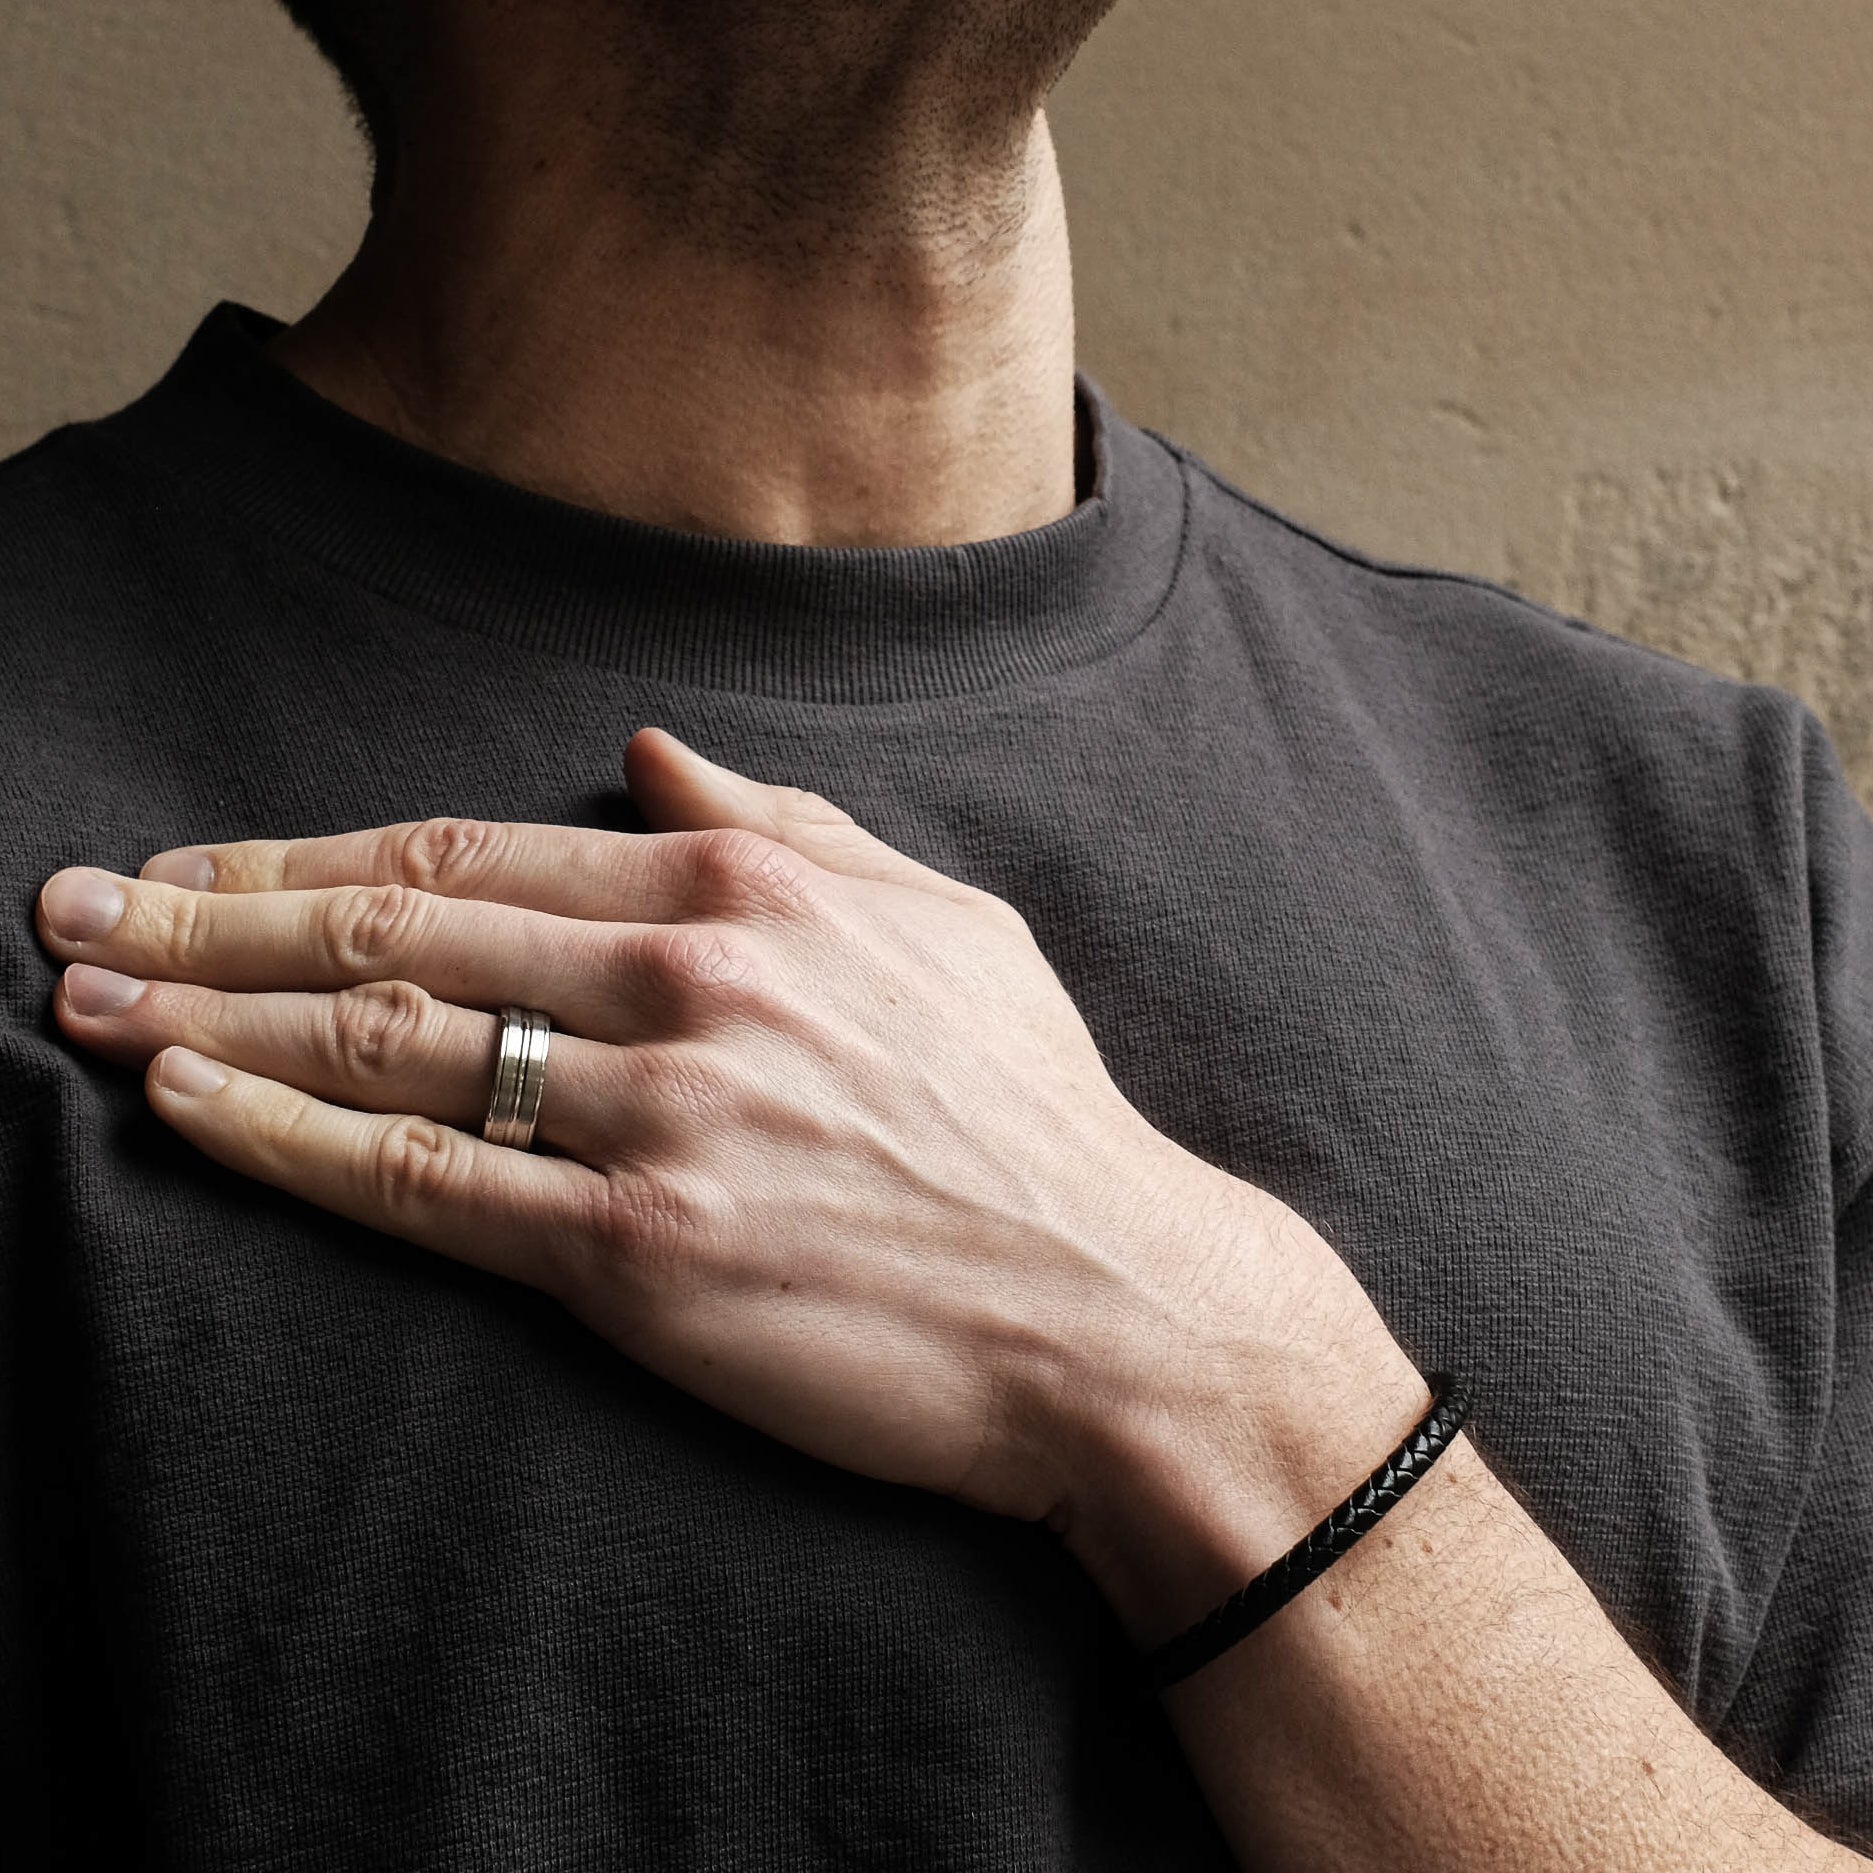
(910, 385)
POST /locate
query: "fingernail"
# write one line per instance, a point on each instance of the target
(90, 990)
(184, 1071)
(189, 866)
(82, 904)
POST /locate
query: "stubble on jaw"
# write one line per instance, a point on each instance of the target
(792, 132)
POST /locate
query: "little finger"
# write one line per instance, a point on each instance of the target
(514, 1213)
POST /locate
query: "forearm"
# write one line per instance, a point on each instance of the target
(1449, 1695)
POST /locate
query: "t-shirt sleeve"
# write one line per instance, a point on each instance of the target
(1802, 1718)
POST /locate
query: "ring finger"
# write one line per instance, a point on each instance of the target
(378, 1047)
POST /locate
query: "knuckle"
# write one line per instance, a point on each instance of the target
(445, 855)
(722, 856)
(367, 925)
(785, 884)
(652, 1220)
(416, 1160)
(701, 970)
(184, 932)
(375, 1028)
(738, 871)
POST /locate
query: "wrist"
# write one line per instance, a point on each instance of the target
(1229, 1428)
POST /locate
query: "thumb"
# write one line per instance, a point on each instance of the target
(677, 790)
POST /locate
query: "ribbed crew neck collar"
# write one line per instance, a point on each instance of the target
(831, 624)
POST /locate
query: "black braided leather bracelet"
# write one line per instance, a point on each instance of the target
(1316, 1551)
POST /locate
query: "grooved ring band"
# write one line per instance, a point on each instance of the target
(519, 1078)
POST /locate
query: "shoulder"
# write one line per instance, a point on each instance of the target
(74, 506)
(76, 479)
(1432, 608)
(1437, 660)
(1708, 818)
(100, 564)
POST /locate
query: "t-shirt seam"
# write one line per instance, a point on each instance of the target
(1385, 568)
(1440, 575)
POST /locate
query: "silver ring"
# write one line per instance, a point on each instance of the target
(519, 1078)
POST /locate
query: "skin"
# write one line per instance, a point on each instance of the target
(826, 1142)
(796, 274)
(823, 1138)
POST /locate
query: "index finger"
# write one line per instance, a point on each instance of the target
(571, 871)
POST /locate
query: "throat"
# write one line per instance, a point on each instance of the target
(905, 391)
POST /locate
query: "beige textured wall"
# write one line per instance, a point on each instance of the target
(1579, 297)
(155, 156)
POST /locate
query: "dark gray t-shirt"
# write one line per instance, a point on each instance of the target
(1534, 968)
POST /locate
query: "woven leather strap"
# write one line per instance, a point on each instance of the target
(1315, 1552)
